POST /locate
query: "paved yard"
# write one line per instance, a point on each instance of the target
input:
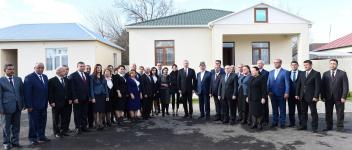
(177, 133)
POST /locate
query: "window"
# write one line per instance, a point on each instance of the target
(56, 57)
(165, 52)
(260, 15)
(260, 51)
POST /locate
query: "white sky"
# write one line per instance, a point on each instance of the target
(323, 13)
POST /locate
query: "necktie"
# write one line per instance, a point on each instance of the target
(294, 76)
(186, 72)
(227, 75)
(307, 73)
(333, 74)
(11, 82)
(41, 78)
(83, 77)
(63, 82)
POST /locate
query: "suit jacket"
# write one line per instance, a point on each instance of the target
(36, 91)
(203, 85)
(215, 81)
(222, 71)
(228, 88)
(334, 88)
(243, 82)
(265, 74)
(293, 84)
(120, 83)
(11, 97)
(80, 89)
(186, 83)
(147, 85)
(280, 85)
(309, 87)
(58, 93)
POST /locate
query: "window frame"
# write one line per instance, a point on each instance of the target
(267, 62)
(164, 53)
(266, 15)
(53, 63)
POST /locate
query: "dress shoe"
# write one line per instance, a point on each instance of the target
(7, 146)
(17, 145)
(340, 129)
(45, 139)
(260, 127)
(200, 117)
(254, 126)
(217, 119)
(232, 122)
(314, 131)
(327, 129)
(207, 118)
(33, 143)
(274, 125)
(85, 130)
(302, 128)
(291, 125)
(185, 116)
(190, 116)
(282, 126)
(64, 134)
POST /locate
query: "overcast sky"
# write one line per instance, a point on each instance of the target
(323, 13)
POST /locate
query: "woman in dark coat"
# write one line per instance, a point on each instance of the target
(256, 97)
(120, 92)
(134, 102)
(164, 91)
(243, 107)
(156, 100)
(99, 94)
(175, 96)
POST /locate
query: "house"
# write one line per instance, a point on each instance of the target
(259, 32)
(54, 44)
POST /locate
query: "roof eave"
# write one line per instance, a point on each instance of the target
(166, 26)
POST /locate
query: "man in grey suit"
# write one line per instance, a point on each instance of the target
(11, 105)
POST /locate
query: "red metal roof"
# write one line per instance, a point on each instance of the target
(341, 42)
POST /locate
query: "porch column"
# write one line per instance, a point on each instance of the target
(302, 47)
(216, 51)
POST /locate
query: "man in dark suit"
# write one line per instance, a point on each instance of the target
(307, 91)
(147, 91)
(278, 88)
(227, 93)
(58, 97)
(293, 76)
(216, 76)
(265, 74)
(11, 105)
(36, 99)
(334, 92)
(203, 91)
(68, 105)
(186, 84)
(80, 86)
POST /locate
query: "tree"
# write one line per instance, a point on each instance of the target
(143, 10)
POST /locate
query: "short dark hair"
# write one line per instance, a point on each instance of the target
(174, 65)
(80, 63)
(7, 65)
(110, 66)
(335, 60)
(256, 68)
(219, 61)
(308, 61)
(294, 62)
(120, 66)
(165, 68)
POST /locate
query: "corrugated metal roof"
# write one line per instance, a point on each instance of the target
(196, 17)
(339, 43)
(51, 32)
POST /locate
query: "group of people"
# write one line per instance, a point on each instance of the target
(109, 95)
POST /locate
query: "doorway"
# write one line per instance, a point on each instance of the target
(9, 56)
(228, 53)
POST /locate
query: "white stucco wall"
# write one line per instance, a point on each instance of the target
(31, 52)
(280, 47)
(104, 55)
(193, 44)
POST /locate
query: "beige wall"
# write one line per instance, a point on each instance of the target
(344, 64)
(8, 56)
(193, 44)
(31, 52)
(104, 55)
(280, 47)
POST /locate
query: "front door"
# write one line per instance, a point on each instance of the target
(228, 53)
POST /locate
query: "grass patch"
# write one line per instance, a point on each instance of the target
(349, 97)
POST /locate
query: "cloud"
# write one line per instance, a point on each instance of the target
(37, 11)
